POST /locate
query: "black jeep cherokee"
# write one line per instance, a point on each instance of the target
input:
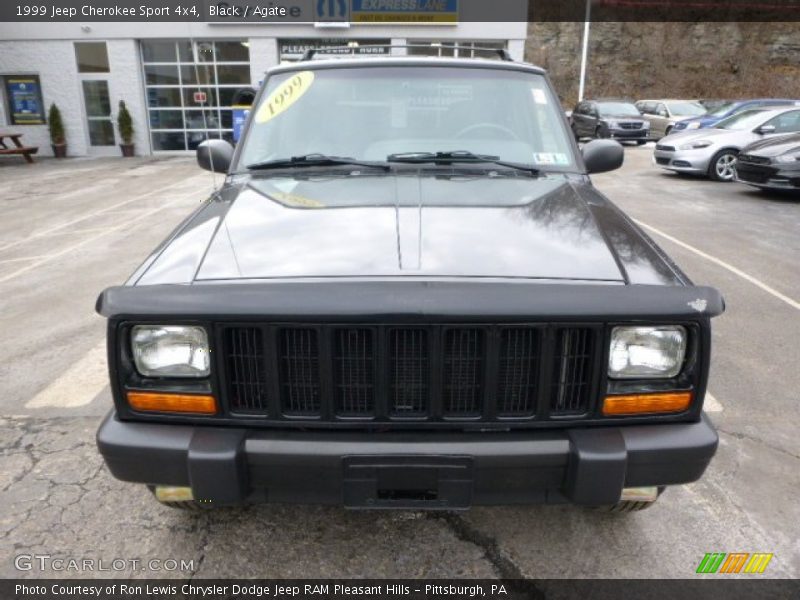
(408, 294)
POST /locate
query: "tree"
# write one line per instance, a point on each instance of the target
(57, 135)
(125, 123)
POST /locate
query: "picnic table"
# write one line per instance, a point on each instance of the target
(10, 144)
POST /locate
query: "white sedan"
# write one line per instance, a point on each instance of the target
(713, 151)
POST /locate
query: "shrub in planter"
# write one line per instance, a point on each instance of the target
(125, 126)
(58, 138)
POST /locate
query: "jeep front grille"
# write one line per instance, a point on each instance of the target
(463, 372)
(392, 373)
(517, 373)
(299, 372)
(571, 367)
(409, 372)
(354, 372)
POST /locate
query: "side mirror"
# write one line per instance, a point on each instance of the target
(215, 155)
(600, 156)
(764, 129)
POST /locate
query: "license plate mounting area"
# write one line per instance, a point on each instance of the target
(411, 482)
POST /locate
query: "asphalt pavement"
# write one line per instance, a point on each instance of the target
(71, 228)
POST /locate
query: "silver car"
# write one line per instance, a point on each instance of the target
(713, 151)
(663, 114)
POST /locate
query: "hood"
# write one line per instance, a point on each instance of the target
(774, 146)
(391, 225)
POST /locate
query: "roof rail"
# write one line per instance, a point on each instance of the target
(311, 52)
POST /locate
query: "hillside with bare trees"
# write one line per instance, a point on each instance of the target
(670, 59)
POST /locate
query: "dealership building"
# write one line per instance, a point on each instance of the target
(180, 80)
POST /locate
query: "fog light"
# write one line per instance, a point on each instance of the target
(168, 493)
(639, 494)
(640, 404)
(173, 403)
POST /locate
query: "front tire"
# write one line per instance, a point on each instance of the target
(722, 165)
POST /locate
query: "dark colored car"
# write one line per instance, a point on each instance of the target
(408, 294)
(772, 164)
(616, 119)
(728, 109)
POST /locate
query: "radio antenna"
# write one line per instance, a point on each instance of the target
(204, 102)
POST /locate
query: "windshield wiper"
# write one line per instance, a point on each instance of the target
(315, 160)
(458, 156)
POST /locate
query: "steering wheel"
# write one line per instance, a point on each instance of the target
(494, 126)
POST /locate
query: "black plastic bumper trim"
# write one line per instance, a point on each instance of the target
(579, 465)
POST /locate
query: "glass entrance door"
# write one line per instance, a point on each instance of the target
(98, 113)
(93, 67)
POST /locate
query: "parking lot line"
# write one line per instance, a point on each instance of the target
(711, 404)
(22, 259)
(747, 277)
(78, 385)
(68, 249)
(90, 215)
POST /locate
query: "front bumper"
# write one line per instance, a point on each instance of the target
(419, 470)
(629, 134)
(769, 176)
(683, 161)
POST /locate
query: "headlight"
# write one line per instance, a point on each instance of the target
(612, 124)
(786, 158)
(170, 351)
(696, 145)
(693, 125)
(646, 352)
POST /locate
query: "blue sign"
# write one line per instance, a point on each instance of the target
(25, 100)
(239, 118)
(404, 11)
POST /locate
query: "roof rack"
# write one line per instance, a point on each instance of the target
(311, 52)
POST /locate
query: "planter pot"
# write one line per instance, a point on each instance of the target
(127, 150)
(59, 150)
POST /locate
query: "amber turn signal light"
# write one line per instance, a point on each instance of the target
(639, 404)
(173, 403)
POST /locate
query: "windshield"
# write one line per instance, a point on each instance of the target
(370, 113)
(686, 109)
(747, 119)
(722, 110)
(617, 109)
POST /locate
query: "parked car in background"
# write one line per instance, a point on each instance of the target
(663, 114)
(712, 104)
(772, 164)
(729, 109)
(617, 119)
(713, 151)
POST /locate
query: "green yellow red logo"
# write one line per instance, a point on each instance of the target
(734, 562)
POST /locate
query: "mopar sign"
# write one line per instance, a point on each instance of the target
(404, 11)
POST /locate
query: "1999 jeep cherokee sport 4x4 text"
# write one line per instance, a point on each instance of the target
(408, 294)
